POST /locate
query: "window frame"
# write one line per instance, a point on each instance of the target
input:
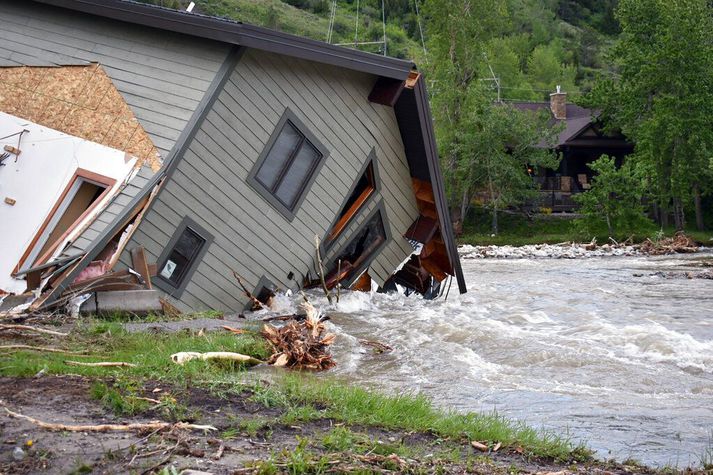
(267, 194)
(339, 225)
(167, 285)
(378, 209)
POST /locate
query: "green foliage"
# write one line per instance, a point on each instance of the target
(663, 98)
(614, 201)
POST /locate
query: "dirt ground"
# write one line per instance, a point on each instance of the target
(66, 399)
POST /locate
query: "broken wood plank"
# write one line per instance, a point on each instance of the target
(138, 260)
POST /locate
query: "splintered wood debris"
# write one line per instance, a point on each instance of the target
(301, 344)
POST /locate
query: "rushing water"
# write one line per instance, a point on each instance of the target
(582, 346)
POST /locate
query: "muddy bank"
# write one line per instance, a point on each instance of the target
(247, 435)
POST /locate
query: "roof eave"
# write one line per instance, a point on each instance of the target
(236, 33)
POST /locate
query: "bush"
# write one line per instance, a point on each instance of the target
(614, 202)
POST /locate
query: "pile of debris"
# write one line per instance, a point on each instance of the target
(568, 250)
(678, 244)
(301, 343)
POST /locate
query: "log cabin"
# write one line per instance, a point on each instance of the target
(269, 147)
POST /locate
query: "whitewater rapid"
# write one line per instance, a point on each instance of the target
(581, 347)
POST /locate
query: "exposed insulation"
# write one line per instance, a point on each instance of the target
(76, 100)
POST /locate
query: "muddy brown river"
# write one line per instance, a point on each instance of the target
(580, 347)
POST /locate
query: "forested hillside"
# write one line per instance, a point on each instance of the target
(545, 42)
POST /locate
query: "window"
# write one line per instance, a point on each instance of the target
(288, 165)
(181, 256)
(363, 189)
(83, 193)
(356, 255)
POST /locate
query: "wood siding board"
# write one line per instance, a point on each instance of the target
(271, 85)
(393, 159)
(209, 141)
(213, 274)
(247, 218)
(152, 74)
(211, 136)
(230, 229)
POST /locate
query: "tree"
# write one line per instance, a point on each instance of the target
(499, 145)
(457, 31)
(614, 200)
(663, 99)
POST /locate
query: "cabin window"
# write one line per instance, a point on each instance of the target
(356, 255)
(363, 189)
(288, 165)
(180, 258)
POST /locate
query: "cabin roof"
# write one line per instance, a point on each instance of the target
(238, 33)
(578, 118)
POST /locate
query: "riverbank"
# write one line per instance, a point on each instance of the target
(261, 420)
(517, 229)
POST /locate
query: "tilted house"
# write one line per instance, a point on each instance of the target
(267, 139)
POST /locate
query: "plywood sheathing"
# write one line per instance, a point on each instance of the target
(77, 100)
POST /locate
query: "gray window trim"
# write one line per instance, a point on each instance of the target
(262, 283)
(252, 180)
(165, 284)
(371, 158)
(380, 208)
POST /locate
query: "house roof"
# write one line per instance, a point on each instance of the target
(578, 118)
(237, 33)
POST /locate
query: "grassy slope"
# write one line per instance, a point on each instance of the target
(301, 397)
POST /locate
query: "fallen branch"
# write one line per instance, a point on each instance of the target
(257, 305)
(32, 329)
(185, 356)
(39, 348)
(109, 427)
(101, 364)
(320, 269)
(238, 331)
(377, 345)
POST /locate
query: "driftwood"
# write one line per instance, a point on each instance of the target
(155, 425)
(679, 244)
(101, 364)
(257, 305)
(377, 346)
(185, 356)
(301, 345)
(39, 348)
(320, 269)
(31, 329)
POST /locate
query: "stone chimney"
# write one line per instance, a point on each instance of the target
(558, 104)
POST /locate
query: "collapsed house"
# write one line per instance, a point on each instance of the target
(159, 149)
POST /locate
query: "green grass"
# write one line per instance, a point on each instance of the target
(516, 229)
(300, 397)
(354, 405)
(151, 353)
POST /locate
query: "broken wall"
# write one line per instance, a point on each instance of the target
(32, 184)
